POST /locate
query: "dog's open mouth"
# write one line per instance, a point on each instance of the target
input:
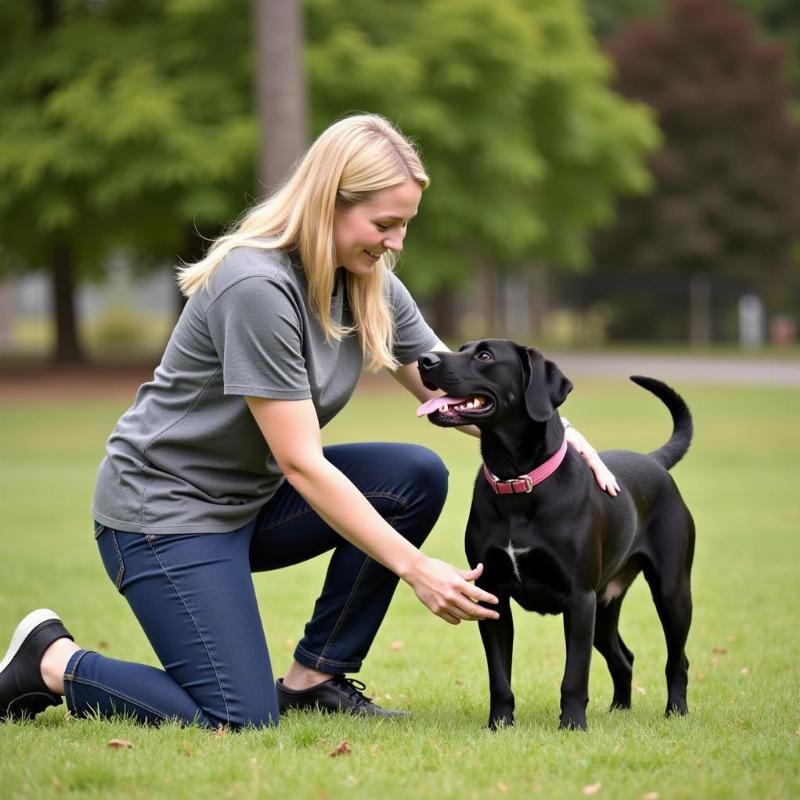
(448, 410)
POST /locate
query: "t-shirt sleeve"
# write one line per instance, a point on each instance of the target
(257, 330)
(413, 336)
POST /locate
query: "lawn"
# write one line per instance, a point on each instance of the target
(741, 738)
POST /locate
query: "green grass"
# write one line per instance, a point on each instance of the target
(740, 740)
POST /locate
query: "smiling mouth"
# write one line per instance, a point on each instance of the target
(373, 256)
(448, 410)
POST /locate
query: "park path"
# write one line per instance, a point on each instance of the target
(689, 368)
(38, 385)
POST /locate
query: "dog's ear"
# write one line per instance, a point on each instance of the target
(546, 387)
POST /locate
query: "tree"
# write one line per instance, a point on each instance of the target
(728, 175)
(280, 87)
(119, 130)
(781, 20)
(607, 17)
(132, 125)
(777, 18)
(526, 144)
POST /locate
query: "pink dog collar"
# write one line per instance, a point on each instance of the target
(524, 484)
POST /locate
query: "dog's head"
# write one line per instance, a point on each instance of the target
(488, 380)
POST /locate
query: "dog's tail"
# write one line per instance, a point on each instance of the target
(675, 449)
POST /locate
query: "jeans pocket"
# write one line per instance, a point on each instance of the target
(111, 555)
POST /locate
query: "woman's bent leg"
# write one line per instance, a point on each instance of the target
(193, 596)
(407, 485)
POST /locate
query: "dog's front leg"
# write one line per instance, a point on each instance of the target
(579, 634)
(498, 642)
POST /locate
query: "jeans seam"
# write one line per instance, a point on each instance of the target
(121, 570)
(345, 609)
(116, 693)
(197, 628)
(69, 679)
(351, 596)
(322, 662)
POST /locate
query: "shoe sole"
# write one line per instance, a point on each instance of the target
(24, 630)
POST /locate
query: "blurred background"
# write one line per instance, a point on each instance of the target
(604, 172)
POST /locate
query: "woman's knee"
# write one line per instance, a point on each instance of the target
(429, 473)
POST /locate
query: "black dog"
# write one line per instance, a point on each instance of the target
(564, 545)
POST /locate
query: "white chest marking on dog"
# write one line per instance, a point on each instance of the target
(513, 552)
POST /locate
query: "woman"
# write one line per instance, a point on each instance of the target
(217, 470)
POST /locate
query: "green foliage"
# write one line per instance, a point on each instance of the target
(606, 16)
(525, 143)
(128, 125)
(728, 174)
(119, 128)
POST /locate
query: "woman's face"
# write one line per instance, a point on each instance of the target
(364, 232)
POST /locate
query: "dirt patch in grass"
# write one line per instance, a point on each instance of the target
(36, 383)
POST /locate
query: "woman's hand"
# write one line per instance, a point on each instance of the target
(602, 474)
(449, 592)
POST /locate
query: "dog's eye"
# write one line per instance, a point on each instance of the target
(484, 355)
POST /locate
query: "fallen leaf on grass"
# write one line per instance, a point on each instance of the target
(397, 645)
(592, 789)
(501, 787)
(323, 794)
(120, 744)
(343, 749)
(744, 671)
(651, 796)
(102, 645)
(720, 650)
(222, 730)
(186, 748)
(641, 690)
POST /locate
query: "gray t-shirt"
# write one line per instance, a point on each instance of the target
(188, 457)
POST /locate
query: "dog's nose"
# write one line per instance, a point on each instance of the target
(428, 361)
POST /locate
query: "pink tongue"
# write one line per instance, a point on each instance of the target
(435, 403)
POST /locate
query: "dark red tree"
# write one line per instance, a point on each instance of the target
(727, 190)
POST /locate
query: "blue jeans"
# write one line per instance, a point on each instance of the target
(194, 598)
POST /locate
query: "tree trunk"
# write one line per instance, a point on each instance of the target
(700, 310)
(68, 349)
(280, 87)
(538, 300)
(493, 300)
(6, 315)
(445, 313)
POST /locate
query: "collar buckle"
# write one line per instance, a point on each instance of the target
(527, 480)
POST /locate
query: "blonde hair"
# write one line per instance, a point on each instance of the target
(352, 159)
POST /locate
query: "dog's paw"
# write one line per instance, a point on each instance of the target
(676, 709)
(572, 722)
(499, 721)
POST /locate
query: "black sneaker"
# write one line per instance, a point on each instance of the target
(23, 692)
(339, 694)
